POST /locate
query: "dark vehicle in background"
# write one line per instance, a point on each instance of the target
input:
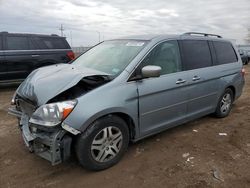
(244, 56)
(20, 54)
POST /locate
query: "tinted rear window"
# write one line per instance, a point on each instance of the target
(17, 43)
(196, 54)
(224, 52)
(52, 43)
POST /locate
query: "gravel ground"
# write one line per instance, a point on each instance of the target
(191, 155)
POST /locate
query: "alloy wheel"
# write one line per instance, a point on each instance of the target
(226, 103)
(106, 144)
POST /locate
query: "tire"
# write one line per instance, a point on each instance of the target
(103, 144)
(225, 103)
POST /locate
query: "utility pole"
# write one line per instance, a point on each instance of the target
(71, 40)
(99, 36)
(61, 29)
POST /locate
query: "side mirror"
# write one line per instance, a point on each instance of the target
(151, 71)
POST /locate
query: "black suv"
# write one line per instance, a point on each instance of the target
(22, 53)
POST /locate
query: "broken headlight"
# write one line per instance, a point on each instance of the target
(52, 114)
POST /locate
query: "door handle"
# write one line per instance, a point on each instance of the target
(195, 78)
(180, 81)
(35, 55)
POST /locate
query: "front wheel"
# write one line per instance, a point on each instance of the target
(225, 103)
(103, 144)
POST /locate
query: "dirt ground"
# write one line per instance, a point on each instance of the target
(191, 155)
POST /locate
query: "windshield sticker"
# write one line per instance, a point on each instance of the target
(135, 44)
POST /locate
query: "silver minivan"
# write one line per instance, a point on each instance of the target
(123, 90)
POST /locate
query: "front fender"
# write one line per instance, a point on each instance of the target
(106, 112)
(107, 99)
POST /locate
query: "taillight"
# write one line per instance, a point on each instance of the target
(71, 55)
(243, 71)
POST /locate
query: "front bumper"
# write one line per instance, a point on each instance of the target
(54, 146)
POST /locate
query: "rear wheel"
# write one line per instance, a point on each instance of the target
(224, 105)
(103, 144)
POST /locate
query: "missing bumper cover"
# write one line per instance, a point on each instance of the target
(54, 147)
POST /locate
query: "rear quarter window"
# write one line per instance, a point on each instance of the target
(224, 52)
(17, 43)
(196, 54)
(52, 43)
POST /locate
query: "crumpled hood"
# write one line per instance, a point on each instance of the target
(45, 83)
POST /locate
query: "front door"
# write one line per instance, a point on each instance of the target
(163, 100)
(18, 57)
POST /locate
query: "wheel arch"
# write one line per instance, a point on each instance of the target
(233, 90)
(131, 123)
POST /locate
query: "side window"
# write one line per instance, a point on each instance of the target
(166, 55)
(196, 54)
(32, 44)
(17, 43)
(60, 43)
(224, 52)
(53, 43)
(39, 43)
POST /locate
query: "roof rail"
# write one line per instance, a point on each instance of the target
(204, 34)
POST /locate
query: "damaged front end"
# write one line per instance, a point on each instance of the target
(41, 112)
(50, 143)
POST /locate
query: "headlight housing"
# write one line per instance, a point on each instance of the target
(52, 114)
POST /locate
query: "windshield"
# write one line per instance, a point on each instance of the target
(110, 57)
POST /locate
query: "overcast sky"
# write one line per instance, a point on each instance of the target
(85, 19)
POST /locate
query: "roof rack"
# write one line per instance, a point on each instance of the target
(6, 32)
(204, 34)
